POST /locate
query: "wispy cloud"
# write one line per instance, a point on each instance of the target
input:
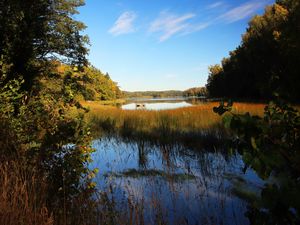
(124, 24)
(214, 5)
(243, 11)
(168, 25)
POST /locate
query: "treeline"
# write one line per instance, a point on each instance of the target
(152, 94)
(197, 91)
(267, 62)
(88, 83)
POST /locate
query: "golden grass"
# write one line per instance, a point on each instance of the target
(190, 119)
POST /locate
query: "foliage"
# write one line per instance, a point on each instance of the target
(88, 84)
(36, 130)
(267, 59)
(196, 91)
(42, 136)
(270, 145)
(32, 32)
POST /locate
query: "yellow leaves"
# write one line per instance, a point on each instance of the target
(215, 69)
(276, 35)
(272, 19)
(253, 143)
(280, 11)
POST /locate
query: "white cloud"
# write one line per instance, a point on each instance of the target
(168, 25)
(214, 5)
(196, 27)
(241, 12)
(124, 24)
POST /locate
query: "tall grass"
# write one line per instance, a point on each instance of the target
(23, 201)
(22, 197)
(183, 123)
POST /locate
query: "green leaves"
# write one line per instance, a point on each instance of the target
(33, 34)
(227, 120)
(271, 147)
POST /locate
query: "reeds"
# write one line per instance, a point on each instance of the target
(22, 197)
(25, 200)
(183, 123)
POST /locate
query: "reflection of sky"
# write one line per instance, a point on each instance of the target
(207, 196)
(158, 106)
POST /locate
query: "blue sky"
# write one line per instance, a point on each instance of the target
(164, 44)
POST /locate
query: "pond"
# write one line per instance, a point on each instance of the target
(161, 103)
(173, 182)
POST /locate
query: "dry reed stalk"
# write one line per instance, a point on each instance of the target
(22, 198)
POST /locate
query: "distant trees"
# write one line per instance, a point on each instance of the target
(268, 59)
(195, 92)
(154, 94)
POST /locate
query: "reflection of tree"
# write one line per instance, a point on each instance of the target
(169, 153)
(165, 151)
(143, 156)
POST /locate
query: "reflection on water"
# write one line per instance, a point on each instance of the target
(186, 186)
(157, 106)
(160, 103)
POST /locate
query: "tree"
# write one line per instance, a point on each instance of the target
(196, 91)
(213, 80)
(33, 32)
(267, 59)
(35, 132)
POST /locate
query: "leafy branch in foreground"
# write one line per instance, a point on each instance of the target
(270, 146)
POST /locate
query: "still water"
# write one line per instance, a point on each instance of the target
(160, 103)
(181, 185)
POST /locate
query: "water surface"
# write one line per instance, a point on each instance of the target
(160, 103)
(177, 183)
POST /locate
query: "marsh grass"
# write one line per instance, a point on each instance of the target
(193, 126)
(178, 125)
(24, 200)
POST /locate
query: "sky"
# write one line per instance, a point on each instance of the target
(164, 44)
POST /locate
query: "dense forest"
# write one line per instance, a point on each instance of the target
(266, 63)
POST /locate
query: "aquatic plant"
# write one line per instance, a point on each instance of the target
(189, 125)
